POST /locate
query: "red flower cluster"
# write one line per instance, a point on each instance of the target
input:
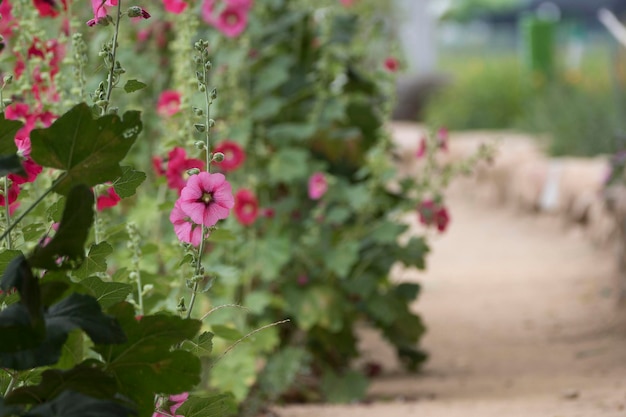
(432, 213)
(177, 166)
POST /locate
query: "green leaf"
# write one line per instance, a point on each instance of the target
(83, 378)
(126, 185)
(413, 253)
(133, 85)
(74, 404)
(9, 410)
(271, 255)
(226, 332)
(69, 240)
(222, 235)
(408, 291)
(315, 306)
(344, 388)
(95, 261)
(219, 405)
(8, 129)
(33, 231)
(201, 345)
(18, 275)
(107, 293)
(267, 108)
(281, 370)
(11, 164)
(288, 164)
(76, 311)
(6, 257)
(284, 132)
(341, 258)
(88, 149)
(146, 363)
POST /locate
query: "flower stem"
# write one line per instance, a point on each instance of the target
(11, 382)
(196, 284)
(32, 206)
(113, 56)
(7, 212)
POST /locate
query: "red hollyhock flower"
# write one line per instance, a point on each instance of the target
(110, 199)
(234, 155)
(175, 6)
(231, 20)
(246, 207)
(48, 8)
(32, 170)
(432, 213)
(391, 64)
(177, 166)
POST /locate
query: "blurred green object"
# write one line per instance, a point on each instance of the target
(538, 45)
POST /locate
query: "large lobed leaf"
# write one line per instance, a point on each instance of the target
(146, 363)
(88, 149)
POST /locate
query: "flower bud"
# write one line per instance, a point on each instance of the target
(193, 171)
(218, 157)
(197, 111)
(200, 127)
(199, 145)
(7, 79)
(214, 93)
(136, 11)
(208, 66)
(211, 123)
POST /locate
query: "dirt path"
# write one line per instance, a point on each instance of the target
(522, 322)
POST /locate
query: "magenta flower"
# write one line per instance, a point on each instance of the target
(168, 103)
(177, 166)
(391, 64)
(231, 20)
(175, 6)
(100, 10)
(32, 170)
(174, 402)
(246, 207)
(432, 213)
(207, 198)
(233, 155)
(185, 229)
(317, 186)
(110, 199)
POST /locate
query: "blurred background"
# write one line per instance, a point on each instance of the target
(545, 67)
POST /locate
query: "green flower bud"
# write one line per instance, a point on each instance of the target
(218, 157)
(193, 171)
(200, 127)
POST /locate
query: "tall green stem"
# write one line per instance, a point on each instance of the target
(7, 212)
(113, 57)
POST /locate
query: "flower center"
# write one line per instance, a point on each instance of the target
(206, 198)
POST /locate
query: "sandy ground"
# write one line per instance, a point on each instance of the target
(522, 322)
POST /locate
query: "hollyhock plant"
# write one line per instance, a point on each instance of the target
(232, 20)
(234, 155)
(246, 207)
(100, 10)
(207, 198)
(168, 103)
(174, 401)
(318, 185)
(186, 230)
(177, 166)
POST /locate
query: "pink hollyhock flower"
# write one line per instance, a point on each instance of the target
(432, 213)
(231, 20)
(391, 64)
(421, 150)
(177, 166)
(168, 103)
(233, 155)
(317, 186)
(175, 6)
(157, 166)
(110, 199)
(207, 198)
(185, 229)
(240, 4)
(246, 207)
(174, 402)
(8, 22)
(100, 10)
